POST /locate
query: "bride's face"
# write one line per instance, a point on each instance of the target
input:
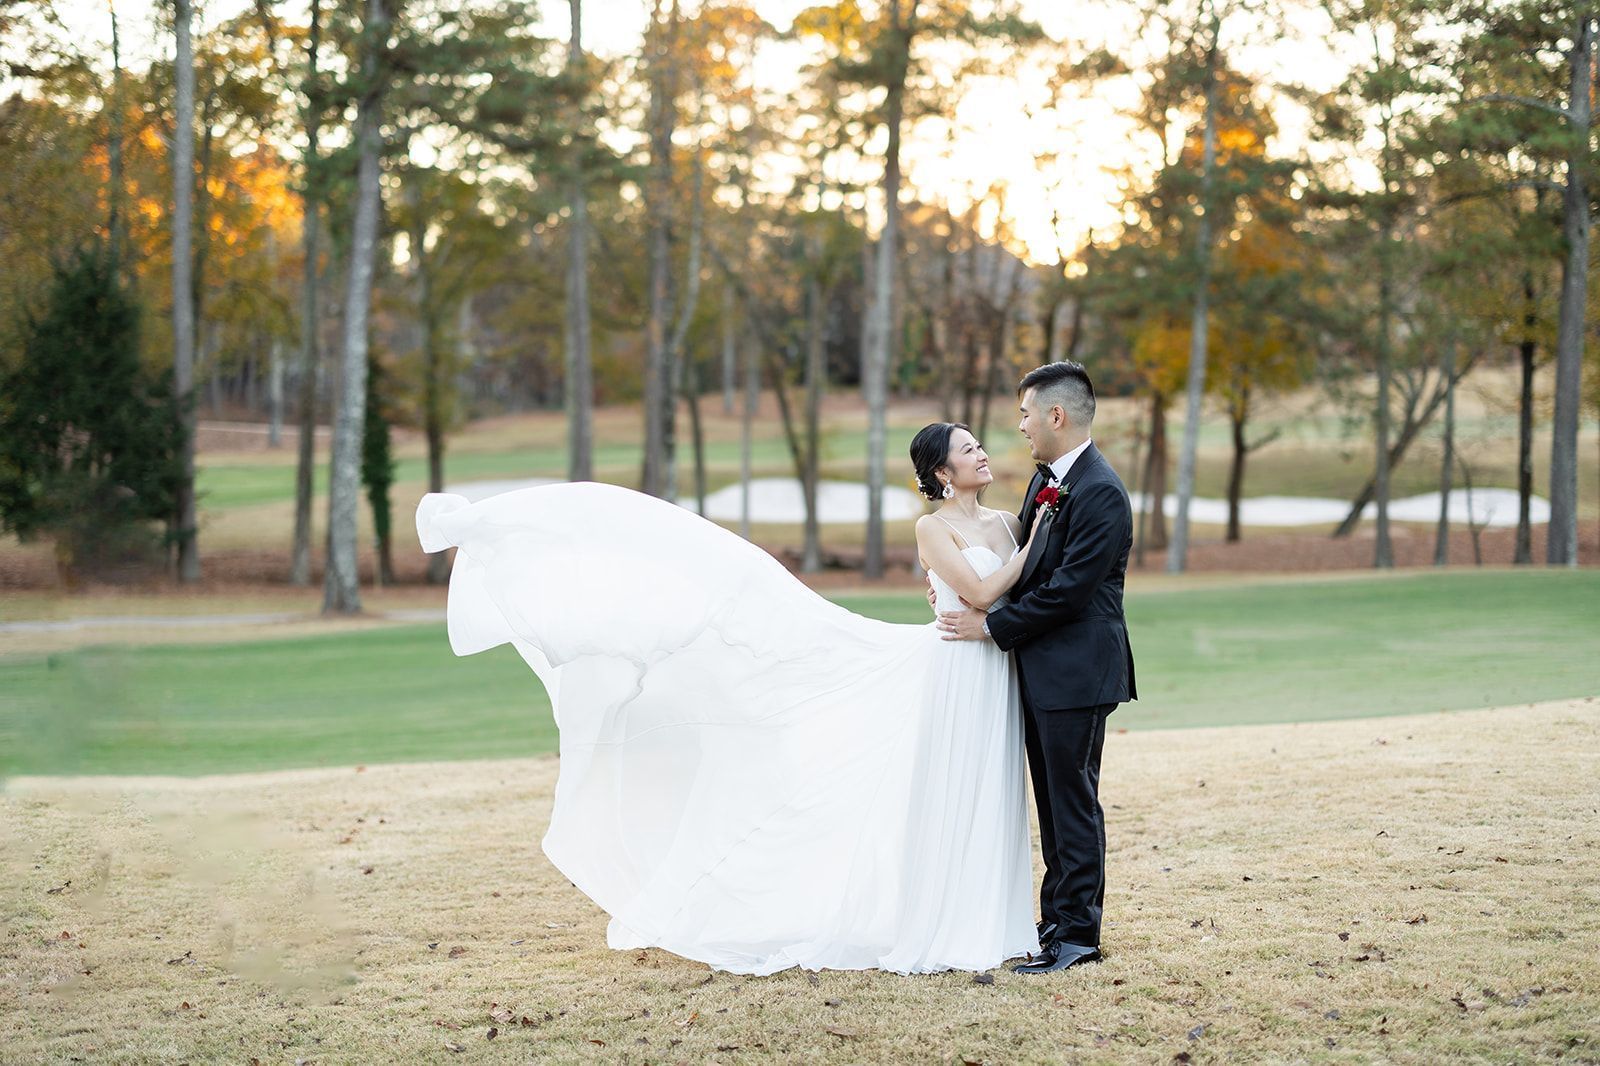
(968, 464)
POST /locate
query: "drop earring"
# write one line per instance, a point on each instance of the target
(949, 490)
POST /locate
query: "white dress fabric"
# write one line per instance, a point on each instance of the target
(751, 775)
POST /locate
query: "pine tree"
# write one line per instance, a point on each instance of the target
(90, 442)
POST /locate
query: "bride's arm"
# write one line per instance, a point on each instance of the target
(941, 553)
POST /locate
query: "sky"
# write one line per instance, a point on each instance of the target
(992, 142)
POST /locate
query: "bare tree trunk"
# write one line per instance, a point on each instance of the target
(579, 365)
(811, 553)
(1527, 352)
(1199, 327)
(880, 339)
(697, 434)
(1441, 542)
(730, 352)
(186, 520)
(1238, 415)
(275, 396)
(1075, 329)
(659, 400)
(752, 401)
(115, 193)
(1562, 543)
(310, 360)
(1384, 551)
(1157, 479)
(341, 592)
(677, 358)
(1054, 345)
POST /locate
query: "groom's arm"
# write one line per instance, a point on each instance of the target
(1101, 525)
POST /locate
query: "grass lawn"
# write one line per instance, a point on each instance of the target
(1418, 890)
(1206, 657)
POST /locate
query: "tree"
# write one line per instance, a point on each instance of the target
(90, 443)
(310, 358)
(1370, 119)
(1199, 326)
(341, 588)
(580, 372)
(885, 53)
(377, 468)
(185, 520)
(660, 400)
(450, 245)
(1536, 41)
(1256, 349)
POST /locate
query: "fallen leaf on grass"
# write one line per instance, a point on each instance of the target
(366, 869)
(1198, 1031)
(457, 1048)
(842, 1034)
(503, 1015)
(57, 890)
(457, 951)
(492, 1033)
(830, 1002)
(983, 978)
(600, 1043)
(690, 1020)
(1420, 919)
(728, 1047)
(1344, 936)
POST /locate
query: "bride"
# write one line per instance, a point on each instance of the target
(751, 775)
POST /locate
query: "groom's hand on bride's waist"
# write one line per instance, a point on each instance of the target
(963, 625)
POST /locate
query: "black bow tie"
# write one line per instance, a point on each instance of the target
(1045, 471)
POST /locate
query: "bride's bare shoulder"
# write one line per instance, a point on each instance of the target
(1005, 516)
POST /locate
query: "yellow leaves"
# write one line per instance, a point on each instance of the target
(840, 27)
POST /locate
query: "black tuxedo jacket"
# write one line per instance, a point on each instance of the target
(1065, 619)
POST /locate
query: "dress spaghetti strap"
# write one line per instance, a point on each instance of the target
(951, 524)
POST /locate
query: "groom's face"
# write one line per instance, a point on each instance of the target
(1042, 428)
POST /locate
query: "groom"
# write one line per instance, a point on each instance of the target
(1065, 624)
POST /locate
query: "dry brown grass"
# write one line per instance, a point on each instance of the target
(1407, 890)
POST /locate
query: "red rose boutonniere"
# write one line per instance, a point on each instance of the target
(1050, 499)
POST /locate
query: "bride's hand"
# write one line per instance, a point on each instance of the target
(1038, 519)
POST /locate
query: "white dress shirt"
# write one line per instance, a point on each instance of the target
(1060, 467)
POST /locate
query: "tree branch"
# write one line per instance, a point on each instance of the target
(1521, 101)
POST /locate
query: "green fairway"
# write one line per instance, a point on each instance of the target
(1208, 656)
(243, 484)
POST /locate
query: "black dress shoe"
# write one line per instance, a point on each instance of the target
(1059, 955)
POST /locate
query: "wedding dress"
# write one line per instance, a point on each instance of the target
(750, 775)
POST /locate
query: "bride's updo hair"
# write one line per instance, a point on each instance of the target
(930, 449)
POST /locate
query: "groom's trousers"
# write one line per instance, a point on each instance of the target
(1064, 761)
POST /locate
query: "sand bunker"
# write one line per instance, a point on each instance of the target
(1483, 507)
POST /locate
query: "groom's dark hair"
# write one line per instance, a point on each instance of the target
(1065, 384)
